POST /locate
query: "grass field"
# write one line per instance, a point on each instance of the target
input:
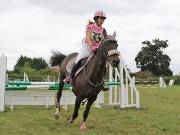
(159, 115)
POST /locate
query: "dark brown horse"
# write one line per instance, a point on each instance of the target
(89, 82)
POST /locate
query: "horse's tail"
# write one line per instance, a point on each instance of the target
(56, 58)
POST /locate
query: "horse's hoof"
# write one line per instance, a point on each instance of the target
(69, 120)
(57, 113)
(83, 127)
(56, 116)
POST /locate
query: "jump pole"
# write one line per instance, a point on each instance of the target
(3, 63)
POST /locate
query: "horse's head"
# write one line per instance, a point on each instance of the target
(109, 50)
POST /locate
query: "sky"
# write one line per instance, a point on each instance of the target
(35, 27)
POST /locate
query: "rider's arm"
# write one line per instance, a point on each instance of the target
(104, 33)
(88, 38)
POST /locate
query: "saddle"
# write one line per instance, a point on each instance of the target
(81, 64)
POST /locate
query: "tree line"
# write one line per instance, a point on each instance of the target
(37, 69)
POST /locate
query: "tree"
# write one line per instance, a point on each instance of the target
(21, 62)
(35, 63)
(39, 63)
(152, 58)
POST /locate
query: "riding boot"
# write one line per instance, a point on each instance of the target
(68, 79)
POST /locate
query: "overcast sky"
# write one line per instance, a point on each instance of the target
(35, 27)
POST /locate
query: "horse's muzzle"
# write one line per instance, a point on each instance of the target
(115, 63)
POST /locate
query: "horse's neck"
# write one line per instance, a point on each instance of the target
(96, 70)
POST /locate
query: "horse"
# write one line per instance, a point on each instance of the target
(87, 84)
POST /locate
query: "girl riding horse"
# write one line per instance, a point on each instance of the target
(94, 35)
(89, 82)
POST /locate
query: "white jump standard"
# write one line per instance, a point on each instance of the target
(3, 63)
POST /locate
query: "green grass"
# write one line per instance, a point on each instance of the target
(160, 115)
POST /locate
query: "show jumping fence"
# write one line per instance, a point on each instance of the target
(122, 90)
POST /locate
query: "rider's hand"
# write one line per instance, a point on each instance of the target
(93, 49)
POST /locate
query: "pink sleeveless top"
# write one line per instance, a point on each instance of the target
(96, 35)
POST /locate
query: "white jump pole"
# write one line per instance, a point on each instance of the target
(124, 98)
(26, 79)
(3, 63)
(171, 82)
(110, 80)
(162, 83)
(122, 91)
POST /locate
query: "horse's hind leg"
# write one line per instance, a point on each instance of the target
(76, 109)
(58, 96)
(86, 112)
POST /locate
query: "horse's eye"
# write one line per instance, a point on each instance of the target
(114, 42)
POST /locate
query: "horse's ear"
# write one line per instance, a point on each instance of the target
(114, 34)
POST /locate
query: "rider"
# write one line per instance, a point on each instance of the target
(94, 34)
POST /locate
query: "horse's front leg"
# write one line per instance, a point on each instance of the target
(76, 109)
(85, 114)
